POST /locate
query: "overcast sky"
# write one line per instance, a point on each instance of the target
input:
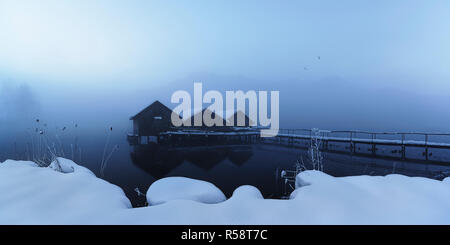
(383, 64)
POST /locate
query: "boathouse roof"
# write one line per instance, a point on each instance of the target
(154, 107)
(225, 119)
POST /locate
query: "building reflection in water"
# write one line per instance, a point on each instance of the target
(159, 160)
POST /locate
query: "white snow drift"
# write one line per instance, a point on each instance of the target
(33, 195)
(173, 188)
(66, 193)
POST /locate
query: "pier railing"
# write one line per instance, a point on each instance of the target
(352, 138)
(431, 139)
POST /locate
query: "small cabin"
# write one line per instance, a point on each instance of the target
(225, 122)
(151, 121)
(201, 113)
(247, 121)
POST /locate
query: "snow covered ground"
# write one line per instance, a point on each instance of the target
(66, 193)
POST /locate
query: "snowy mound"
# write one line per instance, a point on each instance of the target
(246, 192)
(446, 180)
(173, 188)
(67, 166)
(34, 195)
(391, 199)
(66, 193)
(309, 177)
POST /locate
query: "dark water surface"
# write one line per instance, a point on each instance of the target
(228, 167)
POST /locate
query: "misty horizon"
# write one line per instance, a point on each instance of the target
(66, 62)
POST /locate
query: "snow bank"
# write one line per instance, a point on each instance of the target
(391, 199)
(34, 195)
(173, 188)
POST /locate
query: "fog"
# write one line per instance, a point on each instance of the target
(368, 65)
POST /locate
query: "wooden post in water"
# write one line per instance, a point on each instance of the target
(310, 136)
(426, 147)
(351, 143)
(403, 147)
(374, 147)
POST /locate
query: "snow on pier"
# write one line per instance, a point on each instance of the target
(416, 143)
(353, 141)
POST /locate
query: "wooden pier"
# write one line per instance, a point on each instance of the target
(410, 146)
(375, 144)
(206, 137)
(199, 137)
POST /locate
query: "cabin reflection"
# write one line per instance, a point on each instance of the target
(159, 159)
(156, 160)
(205, 158)
(240, 156)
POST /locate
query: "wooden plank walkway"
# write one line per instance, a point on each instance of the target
(414, 143)
(352, 140)
(297, 134)
(213, 133)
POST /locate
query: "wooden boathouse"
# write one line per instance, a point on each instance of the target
(152, 120)
(155, 122)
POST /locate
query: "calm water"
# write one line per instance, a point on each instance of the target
(228, 167)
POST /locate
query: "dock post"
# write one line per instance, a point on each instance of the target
(310, 135)
(351, 143)
(374, 146)
(403, 147)
(426, 147)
